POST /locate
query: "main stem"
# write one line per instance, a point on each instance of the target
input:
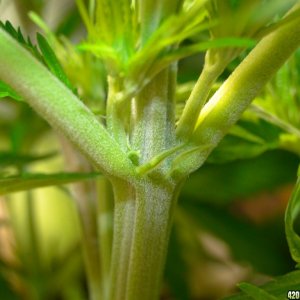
(151, 230)
(144, 206)
(143, 218)
(124, 211)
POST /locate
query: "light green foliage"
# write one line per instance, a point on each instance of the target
(7, 91)
(68, 106)
(292, 213)
(51, 60)
(256, 292)
(20, 160)
(253, 19)
(138, 59)
(26, 181)
(278, 288)
(45, 54)
(17, 35)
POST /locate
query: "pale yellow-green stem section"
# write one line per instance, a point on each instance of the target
(152, 118)
(60, 107)
(105, 230)
(196, 101)
(143, 219)
(155, 202)
(116, 113)
(124, 212)
(143, 208)
(237, 92)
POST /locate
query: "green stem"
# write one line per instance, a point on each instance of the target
(152, 224)
(144, 200)
(115, 114)
(227, 105)
(124, 211)
(153, 12)
(153, 127)
(143, 219)
(196, 101)
(61, 108)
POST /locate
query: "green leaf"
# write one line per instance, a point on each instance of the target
(52, 61)
(292, 212)
(19, 160)
(7, 91)
(46, 56)
(247, 139)
(165, 59)
(279, 104)
(278, 287)
(31, 181)
(245, 18)
(256, 292)
(84, 15)
(18, 36)
(274, 119)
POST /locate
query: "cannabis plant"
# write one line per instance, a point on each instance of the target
(115, 97)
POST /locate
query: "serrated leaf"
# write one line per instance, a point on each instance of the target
(7, 91)
(256, 292)
(292, 212)
(277, 287)
(272, 118)
(52, 61)
(31, 181)
(18, 36)
(247, 139)
(184, 51)
(46, 56)
(241, 132)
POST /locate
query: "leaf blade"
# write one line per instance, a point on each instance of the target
(278, 287)
(256, 292)
(52, 61)
(28, 181)
(291, 214)
(7, 91)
